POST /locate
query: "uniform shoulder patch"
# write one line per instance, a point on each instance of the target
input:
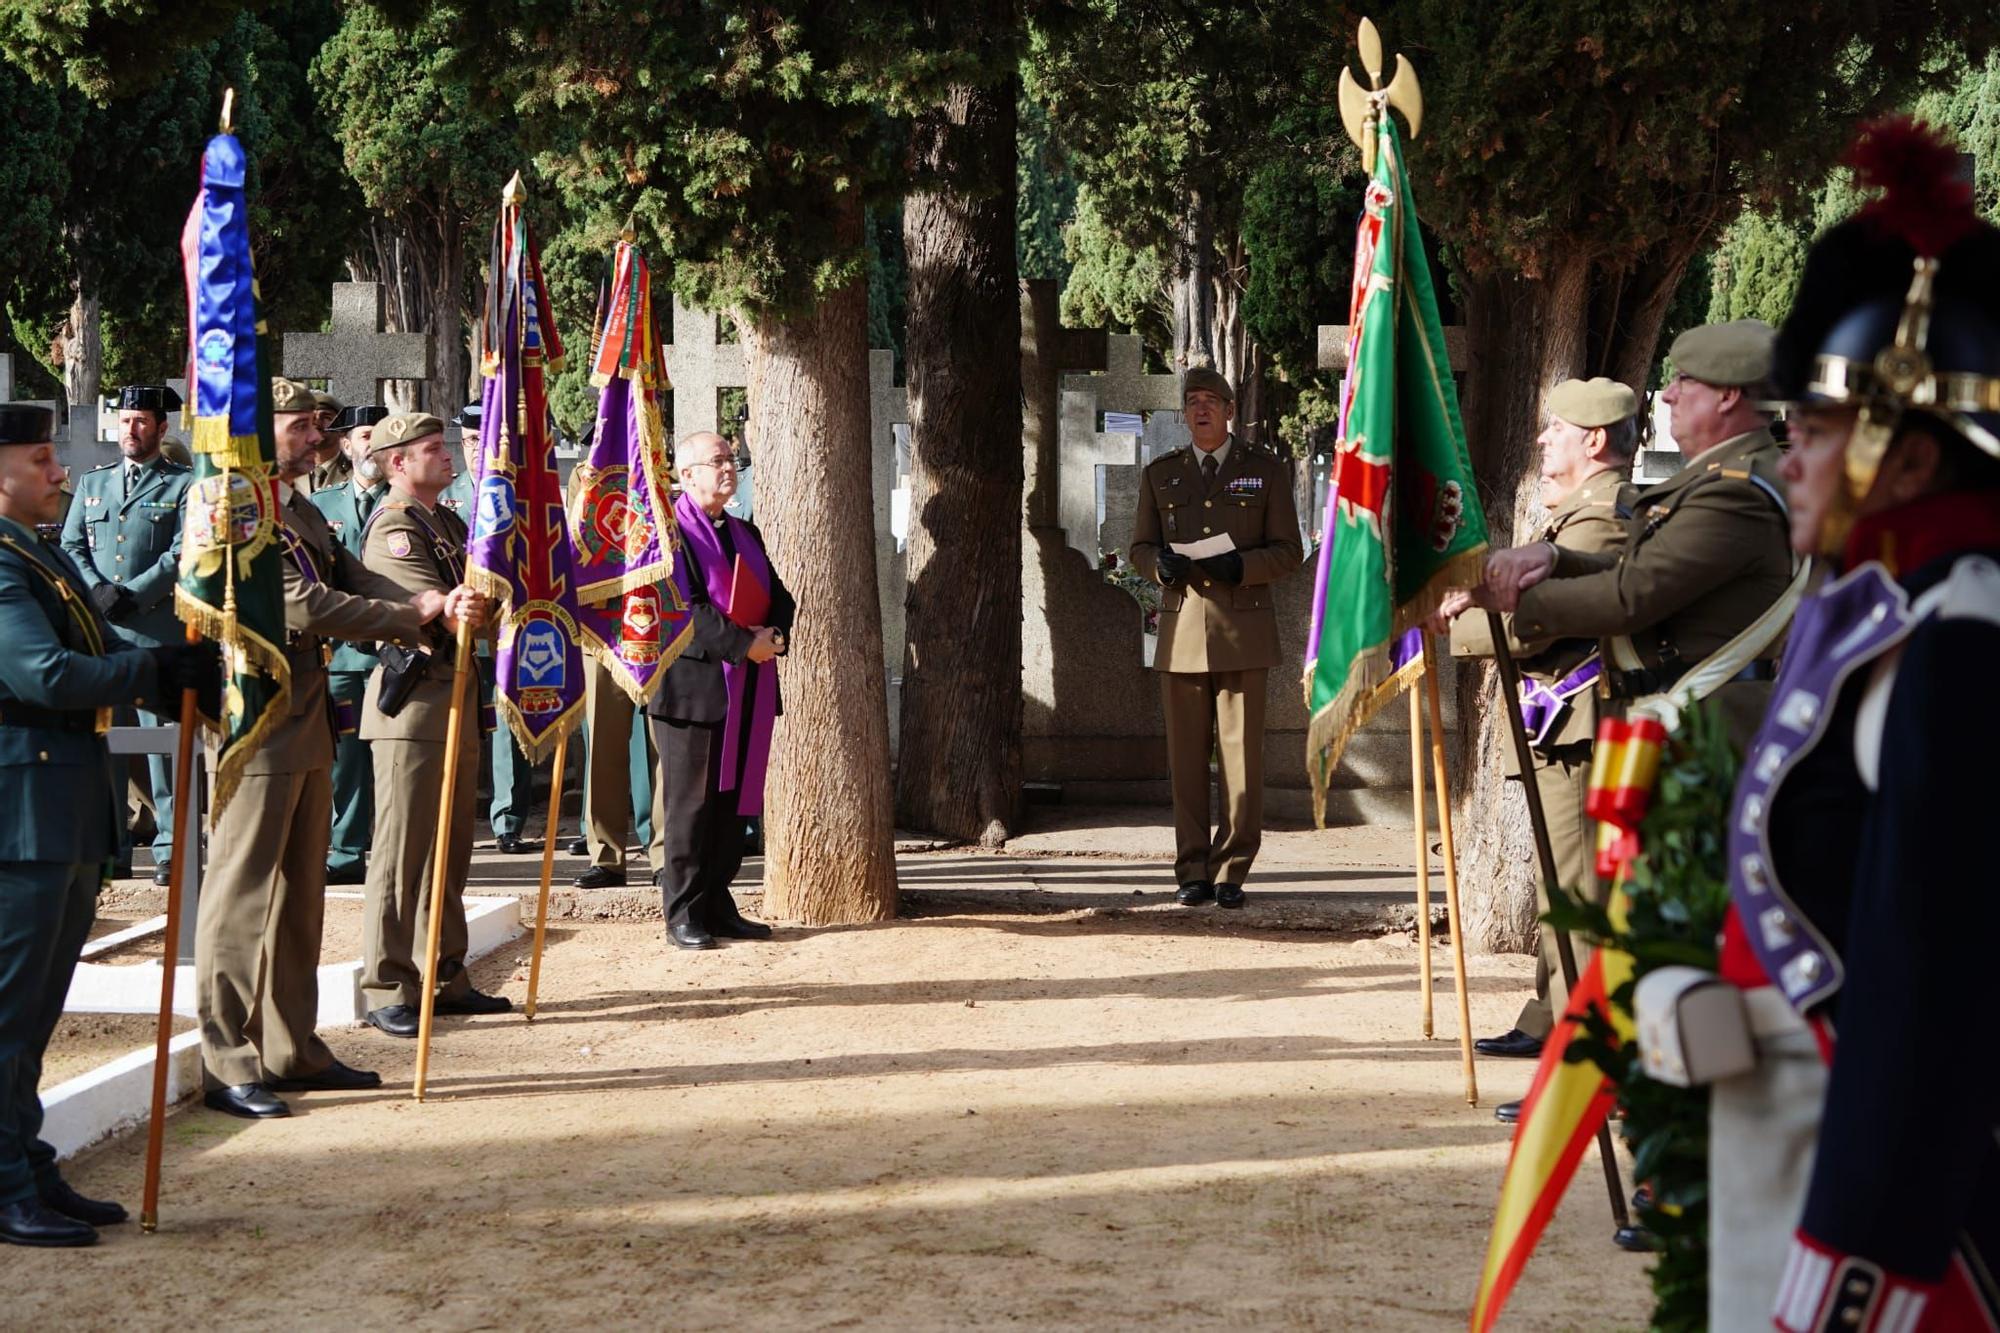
(398, 543)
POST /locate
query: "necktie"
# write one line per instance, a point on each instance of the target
(131, 478)
(364, 501)
(1208, 470)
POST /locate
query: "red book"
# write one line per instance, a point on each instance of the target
(749, 601)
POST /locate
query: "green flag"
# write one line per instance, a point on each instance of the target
(232, 585)
(1403, 521)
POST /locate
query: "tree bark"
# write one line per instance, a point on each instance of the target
(1526, 334)
(959, 758)
(829, 840)
(83, 344)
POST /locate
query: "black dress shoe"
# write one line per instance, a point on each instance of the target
(1195, 892)
(579, 847)
(1229, 895)
(1514, 1044)
(354, 874)
(336, 1077)
(513, 844)
(601, 877)
(736, 926)
(473, 1002)
(90, 1212)
(1508, 1113)
(398, 1020)
(687, 935)
(163, 875)
(32, 1222)
(252, 1101)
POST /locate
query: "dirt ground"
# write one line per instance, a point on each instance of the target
(1073, 1120)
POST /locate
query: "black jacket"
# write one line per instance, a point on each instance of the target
(693, 689)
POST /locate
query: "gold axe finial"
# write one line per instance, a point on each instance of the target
(1360, 108)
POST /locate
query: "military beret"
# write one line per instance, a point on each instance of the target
(351, 417)
(1203, 377)
(1732, 355)
(291, 396)
(22, 424)
(326, 402)
(148, 398)
(405, 429)
(468, 417)
(1593, 402)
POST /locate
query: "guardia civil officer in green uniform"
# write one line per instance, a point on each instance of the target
(346, 506)
(61, 675)
(419, 545)
(123, 531)
(1706, 552)
(1587, 450)
(1218, 631)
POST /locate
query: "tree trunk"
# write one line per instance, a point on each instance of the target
(1526, 334)
(421, 265)
(83, 345)
(829, 849)
(1194, 274)
(959, 760)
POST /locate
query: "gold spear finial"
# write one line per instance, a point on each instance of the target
(514, 192)
(1360, 107)
(227, 123)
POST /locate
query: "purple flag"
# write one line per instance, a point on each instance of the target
(520, 548)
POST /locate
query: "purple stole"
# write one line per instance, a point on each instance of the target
(742, 765)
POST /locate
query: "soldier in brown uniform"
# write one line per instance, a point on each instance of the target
(1218, 632)
(1705, 552)
(257, 933)
(420, 546)
(1587, 452)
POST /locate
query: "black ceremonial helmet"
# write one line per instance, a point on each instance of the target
(1898, 312)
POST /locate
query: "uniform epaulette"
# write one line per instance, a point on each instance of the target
(105, 467)
(1171, 453)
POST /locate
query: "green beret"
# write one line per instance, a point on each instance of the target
(291, 396)
(326, 402)
(1592, 403)
(405, 429)
(1732, 355)
(1202, 377)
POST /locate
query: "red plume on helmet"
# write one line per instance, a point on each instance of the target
(1926, 199)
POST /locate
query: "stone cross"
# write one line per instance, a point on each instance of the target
(699, 365)
(358, 355)
(1122, 386)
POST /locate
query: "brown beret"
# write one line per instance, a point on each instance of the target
(291, 396)
(405, 429)
(1732, 355)
(1203, 377)
(1593, 402)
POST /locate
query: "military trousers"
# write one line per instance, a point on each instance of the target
(1562, 777)
(703, 832)
(353, 775)
(513, 784)
(1222, 712)
(618, 786)
(409, 787)
(46, 909)
(258, 922)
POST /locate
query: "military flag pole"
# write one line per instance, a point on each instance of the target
(548, 870)
(1538, 820)
(188, 833)
(1450, 872)
(461, 671)
(1423, 853)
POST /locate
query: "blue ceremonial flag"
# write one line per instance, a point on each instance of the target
(232, 585)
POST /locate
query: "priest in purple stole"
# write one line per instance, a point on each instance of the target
(713, 713)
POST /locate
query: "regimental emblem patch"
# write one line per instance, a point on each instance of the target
(399, 544)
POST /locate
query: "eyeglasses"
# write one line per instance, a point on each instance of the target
(719, 464)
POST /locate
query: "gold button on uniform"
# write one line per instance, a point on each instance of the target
(1206, 584)
(1208, 504)
(42, 755)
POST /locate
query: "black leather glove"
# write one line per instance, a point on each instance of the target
(1227, 567)
(190, 666)
(113, 600)
(1173, 568)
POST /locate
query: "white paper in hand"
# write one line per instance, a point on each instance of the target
(1220, 543)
